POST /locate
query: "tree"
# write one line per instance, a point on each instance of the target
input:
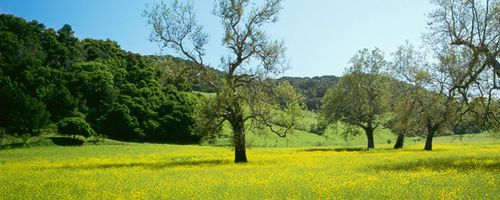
(429, 103)
(74, 126)
(471, 27)
(408, 69)
(20, 113)
(360, 97)
(246, 94)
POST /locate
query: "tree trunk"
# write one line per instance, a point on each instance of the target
(399, 141)
(240, 154)
(369, 136)
(428, 140)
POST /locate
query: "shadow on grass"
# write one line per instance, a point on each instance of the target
(365, 150)
(442, 164)
(64, 141)
(13, 145)
(157, 165)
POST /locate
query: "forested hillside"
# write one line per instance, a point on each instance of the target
(49, 77)
(313, 88)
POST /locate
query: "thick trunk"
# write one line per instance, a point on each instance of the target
(240, 155)
(399, 141)
(428, 140)
(369, 136)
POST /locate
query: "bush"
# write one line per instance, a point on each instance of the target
(74, 126)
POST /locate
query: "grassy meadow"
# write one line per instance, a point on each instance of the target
(463, 169)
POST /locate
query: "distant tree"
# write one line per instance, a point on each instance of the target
(246, 93)
(66, 36)
(360, 97)
(313, 88)
(50, 86)
(74, 126)
(430, 103)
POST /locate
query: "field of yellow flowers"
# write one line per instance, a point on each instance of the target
(149, 171)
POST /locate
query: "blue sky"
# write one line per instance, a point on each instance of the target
(320, 35)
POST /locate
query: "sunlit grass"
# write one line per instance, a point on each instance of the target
(147, 171)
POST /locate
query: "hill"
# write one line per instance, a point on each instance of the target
(313, 88)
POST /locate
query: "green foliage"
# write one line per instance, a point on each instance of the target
(118, 124)
(290, 108)
(74, 126)
(360, 96)
(313, 88)
(176, 122)
(19, 112)
(47, 75)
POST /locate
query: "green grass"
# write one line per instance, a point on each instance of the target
(151, 171)
(301, 166)
(333, 137)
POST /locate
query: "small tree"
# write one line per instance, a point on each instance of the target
(74, 126)
(360, 97)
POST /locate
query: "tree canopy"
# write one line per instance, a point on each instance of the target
(46, 75)
(360, 97)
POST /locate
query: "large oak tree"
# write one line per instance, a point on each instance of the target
(246, 94)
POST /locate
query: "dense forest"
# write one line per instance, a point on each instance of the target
(49, 77)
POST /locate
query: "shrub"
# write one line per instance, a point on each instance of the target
(74, 126)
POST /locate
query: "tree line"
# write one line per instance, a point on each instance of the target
(450, 84)
(89, 87)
